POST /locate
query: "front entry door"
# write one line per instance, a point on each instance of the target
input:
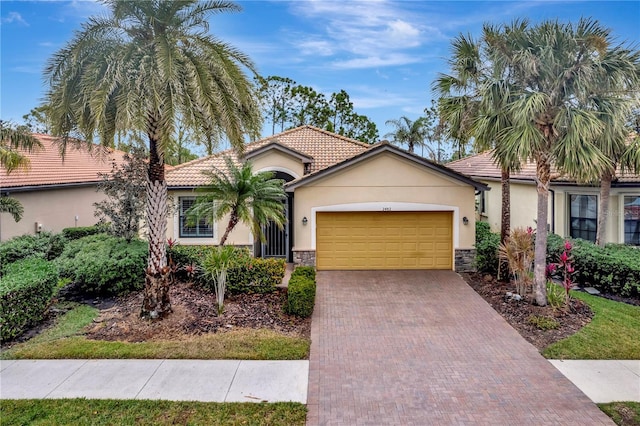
(276, 239)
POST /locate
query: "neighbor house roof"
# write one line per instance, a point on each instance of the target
(316, 147)
(377, 149)
(47, 168)
(482, 166)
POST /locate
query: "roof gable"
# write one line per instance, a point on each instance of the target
(275, 146)
(48, 169)
(379, 149)
(321, 147)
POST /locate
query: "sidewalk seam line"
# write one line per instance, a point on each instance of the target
(149, 378)
(226, 395)
(66, 378)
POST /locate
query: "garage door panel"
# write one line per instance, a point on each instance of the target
(384, 240)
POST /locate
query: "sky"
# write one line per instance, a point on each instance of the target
(385, 54)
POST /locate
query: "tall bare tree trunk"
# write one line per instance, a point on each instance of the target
(233, 221)
(543, 174)
(603, 208)
(156, 303)
(505, 224)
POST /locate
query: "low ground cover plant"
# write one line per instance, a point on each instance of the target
(612, 269)
(102, 264)
(26, 289)
(301, 292)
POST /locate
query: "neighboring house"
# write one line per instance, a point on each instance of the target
(55, 194)
(573, 207)
(350, 205)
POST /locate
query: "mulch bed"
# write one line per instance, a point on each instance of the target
(195, 313)
(517, 313)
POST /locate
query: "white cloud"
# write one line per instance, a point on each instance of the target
(315, 47)
(376, 61)
(14, 17)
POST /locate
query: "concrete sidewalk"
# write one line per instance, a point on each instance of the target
(177, 380)
(603, 381)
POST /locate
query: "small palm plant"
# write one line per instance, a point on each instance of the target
(518, 252)
(216, 265)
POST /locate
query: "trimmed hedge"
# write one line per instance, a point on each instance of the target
(25, 293)
(84, 231)
(23, 247)
(102, 264)
(614, 268)
(246, 274)
(305, 271)
(487, 244)
(301, 293)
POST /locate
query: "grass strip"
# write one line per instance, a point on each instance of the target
(613, 333)
(134, 412)
(64, 341)
(623, 413)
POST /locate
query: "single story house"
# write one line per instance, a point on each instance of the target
(55, 193)
(350, 205)
(573, 207)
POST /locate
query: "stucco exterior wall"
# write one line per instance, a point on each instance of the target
(275, 160)
(524, 199)
(55, 209)
(241, 235)
(385, 182)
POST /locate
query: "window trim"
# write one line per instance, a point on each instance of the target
(178, 222)
(570, 217)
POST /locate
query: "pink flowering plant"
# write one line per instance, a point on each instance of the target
(565, 268)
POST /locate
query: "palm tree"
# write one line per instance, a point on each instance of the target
(407, 132)
(473, 100)
(14, 141)
(556, 69)
(251, 198)
(146, 66)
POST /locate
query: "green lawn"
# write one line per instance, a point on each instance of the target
(65, 341)
(623, 413)
(131, 412)
(614, 333)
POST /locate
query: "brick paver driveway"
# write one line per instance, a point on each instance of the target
(422, 348)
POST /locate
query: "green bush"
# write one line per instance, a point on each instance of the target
(301, 295)
(305, 271)
(487, 244)
(26, 290)
(246, 274)
(23, 247)
(102, 264)
(84, 231)
(613, 269)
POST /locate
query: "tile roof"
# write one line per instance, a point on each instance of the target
(482, 166)
(325, 149)
(48, 169)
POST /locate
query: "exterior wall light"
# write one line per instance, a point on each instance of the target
(304, 220)
(465, 220)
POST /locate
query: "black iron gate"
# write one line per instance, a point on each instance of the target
(277, 239)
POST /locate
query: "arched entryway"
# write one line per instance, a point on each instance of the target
(277, 243)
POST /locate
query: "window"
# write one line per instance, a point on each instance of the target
(583, 217)
(632, 220)
(201, 229)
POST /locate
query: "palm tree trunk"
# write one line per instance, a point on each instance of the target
(156, 303)
(603, 208)
(505, 225)
(543, 174)
(233, 221)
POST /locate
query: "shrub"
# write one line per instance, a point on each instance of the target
(216, 265)
(102, 264)
(301, 296)
(83, 231)
(518, 253)
(23, 247)
(56, 246)
(305, 271)
(487, 244)
(611, 269)
(25, 293)
(255, 275)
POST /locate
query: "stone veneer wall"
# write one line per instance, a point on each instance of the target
(465, 260)
(304, 258)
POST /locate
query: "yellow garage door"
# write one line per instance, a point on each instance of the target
(384, 240)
